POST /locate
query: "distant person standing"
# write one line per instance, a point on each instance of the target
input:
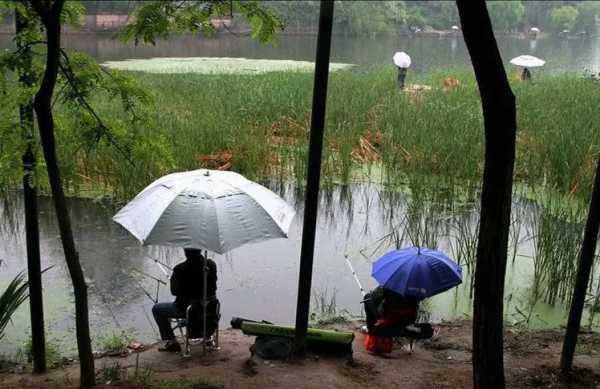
(187, 285)
(526, 75)
(402, 61)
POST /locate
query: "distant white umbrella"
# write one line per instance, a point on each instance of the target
(206, 209)
(401, 59)
(528, 61)
(455, 28)
(534, 29)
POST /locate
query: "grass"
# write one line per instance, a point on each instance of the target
(325, 310)
(263, 120)
(114, 343)
(54, 358)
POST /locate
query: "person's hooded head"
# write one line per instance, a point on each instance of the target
(193, 254)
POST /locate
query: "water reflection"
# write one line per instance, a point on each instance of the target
(362, 221)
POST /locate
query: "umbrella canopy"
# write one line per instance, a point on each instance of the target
(455, 28)
(207, 209)
(528, 61)
(401, 59)
(534, 29)
(417, 272)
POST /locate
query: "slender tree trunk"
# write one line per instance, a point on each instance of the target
(586, 260)
(42, 104)
(499, 116)
(315, 150)
(32, 236)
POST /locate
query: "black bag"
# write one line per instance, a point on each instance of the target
(195, 324)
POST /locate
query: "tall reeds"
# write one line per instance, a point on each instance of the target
(263, 122)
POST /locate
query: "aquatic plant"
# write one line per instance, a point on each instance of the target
(325, 310)
(262, 121)
(556, 232)
(463, 242)
(215, 65)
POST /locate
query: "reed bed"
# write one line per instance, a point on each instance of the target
(374, 132)
(556, 232)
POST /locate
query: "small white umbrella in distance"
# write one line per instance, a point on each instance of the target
(534, 29)
(455, 28)
(208, 209)
(401, 59)
(528, 61)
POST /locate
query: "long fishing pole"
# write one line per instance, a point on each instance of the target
(150, 276)
(163, 267)
(362, 290)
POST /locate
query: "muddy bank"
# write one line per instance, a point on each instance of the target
(531, 360)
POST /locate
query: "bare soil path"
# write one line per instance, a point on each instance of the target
(443, 363)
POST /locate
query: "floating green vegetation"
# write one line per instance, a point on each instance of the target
(215, 65)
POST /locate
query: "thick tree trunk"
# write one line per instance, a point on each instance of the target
(43, 109)
(32, 236)
(499, 115)
(586, 260)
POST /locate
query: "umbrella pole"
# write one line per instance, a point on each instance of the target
(204, 278)
(315, 152)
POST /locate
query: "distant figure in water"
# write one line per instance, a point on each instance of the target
(526, 75)
(187, 285)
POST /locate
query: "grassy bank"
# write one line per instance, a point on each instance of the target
(259, 124)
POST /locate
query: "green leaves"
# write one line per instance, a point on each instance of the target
(263, 21)
(10, 300)
(161, 19)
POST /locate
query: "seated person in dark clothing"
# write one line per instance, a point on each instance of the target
(388, 313)
(187, 285)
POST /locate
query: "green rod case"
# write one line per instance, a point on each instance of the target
(312, 335)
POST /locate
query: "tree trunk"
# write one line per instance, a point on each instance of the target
(499, 116)
(315, 150)
(43, 110)
(586, 260)
(32, 235)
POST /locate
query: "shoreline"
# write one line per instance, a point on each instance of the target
(531, 358)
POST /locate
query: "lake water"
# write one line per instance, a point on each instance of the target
(257, 281)
(426, 52)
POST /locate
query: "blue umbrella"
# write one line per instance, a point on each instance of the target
(417, 271)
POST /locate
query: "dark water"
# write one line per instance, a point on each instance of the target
(426, 52)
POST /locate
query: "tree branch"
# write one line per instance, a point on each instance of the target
(67, 71)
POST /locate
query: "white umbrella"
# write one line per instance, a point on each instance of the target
(206, 209)
(455, 28)
(401, 59)
(528, 61)
(534, 29)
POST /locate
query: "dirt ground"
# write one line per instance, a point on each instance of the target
(531, 360)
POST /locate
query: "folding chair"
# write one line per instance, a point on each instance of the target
(196, 321)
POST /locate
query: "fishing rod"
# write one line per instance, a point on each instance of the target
(163, 266)
(154, 300)
(158, 283)
(150, 276)
(362, 290)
